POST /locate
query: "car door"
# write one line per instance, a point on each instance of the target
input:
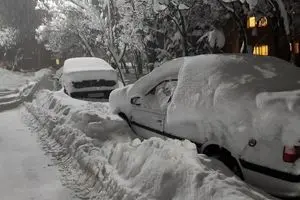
(184, 130)
(148, 113)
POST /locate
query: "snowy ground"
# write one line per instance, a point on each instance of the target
(97, 155)
(101, 159)
(25, 171)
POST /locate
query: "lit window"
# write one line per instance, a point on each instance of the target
(262, 50)
(296, 47)
(263, 22)
(251, 22)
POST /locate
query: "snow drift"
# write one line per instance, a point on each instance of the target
(17, 87)
(98, 152)
(233, 98)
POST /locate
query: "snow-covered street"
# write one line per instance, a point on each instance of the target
(25, 171)
(60, 148)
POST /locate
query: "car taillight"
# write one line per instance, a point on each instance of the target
(291, 154)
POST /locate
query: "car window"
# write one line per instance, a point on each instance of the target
(159, 96)
(164, 92)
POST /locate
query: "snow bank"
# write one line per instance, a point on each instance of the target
(10, 80)
(233, 98)
(17, 87)
(98, 153)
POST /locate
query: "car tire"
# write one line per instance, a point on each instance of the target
(233, 165)
(226, 158)
(124, 117)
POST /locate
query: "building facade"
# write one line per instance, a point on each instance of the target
(266, 35)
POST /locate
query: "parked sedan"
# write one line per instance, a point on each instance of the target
(241, 109)
(89, 78)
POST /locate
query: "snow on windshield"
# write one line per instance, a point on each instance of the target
(168, 70)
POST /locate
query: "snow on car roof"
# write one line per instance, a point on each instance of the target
(236, 97)
(85, 64)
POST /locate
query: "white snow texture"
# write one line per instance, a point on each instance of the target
(117, 165)
(81, 69)
(233, 98)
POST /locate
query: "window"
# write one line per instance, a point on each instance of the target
(164, 92)
(262, 50)
(159, 97)
(296, 47)
(251, 22)
(263, 22)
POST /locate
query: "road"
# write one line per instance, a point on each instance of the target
(26, 173)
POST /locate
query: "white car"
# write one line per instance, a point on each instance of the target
(89, 78)
(241, 109)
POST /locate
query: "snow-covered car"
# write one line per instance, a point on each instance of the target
(89, 78)
(242, 109)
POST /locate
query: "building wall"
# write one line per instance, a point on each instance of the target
(272, 36)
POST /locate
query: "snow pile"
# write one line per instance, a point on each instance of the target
(10, 80)
(100, 155)
(233, 98)
(17, 87)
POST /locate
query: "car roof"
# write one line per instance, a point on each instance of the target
(80, 64)
(171, 69)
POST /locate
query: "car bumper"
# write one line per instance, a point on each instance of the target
(275, 182)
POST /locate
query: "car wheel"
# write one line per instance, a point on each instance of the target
(225, 157)
(233, 165)
(124, 117)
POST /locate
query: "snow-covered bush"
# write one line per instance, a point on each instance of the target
(145, 31)
(8, 37)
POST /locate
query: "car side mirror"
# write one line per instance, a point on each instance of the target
(135, 101)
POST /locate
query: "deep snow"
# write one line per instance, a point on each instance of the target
(25, 172)
(99, 153)
(234, 98)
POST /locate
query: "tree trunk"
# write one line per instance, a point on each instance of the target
(184, 35)
(89, 48)
(117, 61)
(240, 24)
(125, 67)
(139, 62)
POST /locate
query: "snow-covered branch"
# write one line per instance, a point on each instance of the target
(8, 37)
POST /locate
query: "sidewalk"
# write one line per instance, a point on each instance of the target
(26, 173)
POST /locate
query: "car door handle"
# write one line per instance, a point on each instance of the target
(159, 120)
